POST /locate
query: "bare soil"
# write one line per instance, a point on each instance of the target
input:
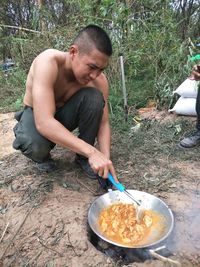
(43, 217)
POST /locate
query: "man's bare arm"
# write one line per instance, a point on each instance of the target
(104, 133)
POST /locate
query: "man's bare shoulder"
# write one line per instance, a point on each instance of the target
(47, 65)
(50, 55)
(102, 83)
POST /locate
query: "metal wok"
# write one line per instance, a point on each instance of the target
(149, 201)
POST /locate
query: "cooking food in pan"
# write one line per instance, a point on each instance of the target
(118, 222)
(163, 220)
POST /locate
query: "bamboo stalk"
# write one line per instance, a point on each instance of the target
(20, 28)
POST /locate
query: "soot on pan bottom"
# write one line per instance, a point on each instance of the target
(123, 255)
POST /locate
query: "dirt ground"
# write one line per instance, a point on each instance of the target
(43, 217)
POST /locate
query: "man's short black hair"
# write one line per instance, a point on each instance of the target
(92, 36)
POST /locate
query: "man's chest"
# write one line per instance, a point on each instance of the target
(63, 89)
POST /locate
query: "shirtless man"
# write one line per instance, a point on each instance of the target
(66, 90)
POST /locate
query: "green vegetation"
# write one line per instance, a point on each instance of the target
(156, 40)
(12, 90)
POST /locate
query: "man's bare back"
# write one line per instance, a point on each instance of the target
(65, 84)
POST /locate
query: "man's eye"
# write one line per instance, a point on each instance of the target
(91, 67)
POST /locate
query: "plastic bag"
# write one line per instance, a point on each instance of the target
(185, 106)
(188, 88)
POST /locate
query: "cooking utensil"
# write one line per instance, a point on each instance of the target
(154, 242)
(121, 188)
(157, 234)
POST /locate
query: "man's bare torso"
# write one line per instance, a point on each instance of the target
(63, 86)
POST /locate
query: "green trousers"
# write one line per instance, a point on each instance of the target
(83, 111)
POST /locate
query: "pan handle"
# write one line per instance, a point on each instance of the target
(119, 186)
(156, 255)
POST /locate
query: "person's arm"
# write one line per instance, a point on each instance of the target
(104, 138)
(104, 133)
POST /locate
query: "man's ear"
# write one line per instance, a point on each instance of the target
(73, 51)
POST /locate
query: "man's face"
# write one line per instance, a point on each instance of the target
(87, 67)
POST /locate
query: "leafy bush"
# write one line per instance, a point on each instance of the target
(12, 90)
(148, 34)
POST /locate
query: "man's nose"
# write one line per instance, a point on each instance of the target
(94, 74)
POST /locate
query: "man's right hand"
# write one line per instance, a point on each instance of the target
(101, 165)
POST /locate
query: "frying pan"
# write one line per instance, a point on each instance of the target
(156, 236)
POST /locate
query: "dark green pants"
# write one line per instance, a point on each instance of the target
(83, 111)
(198, 109)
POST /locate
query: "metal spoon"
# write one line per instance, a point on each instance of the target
(121, 188)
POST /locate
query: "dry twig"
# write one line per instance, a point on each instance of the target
(59, 234)
(90, 190)
(4, 232)
(18, 230)
(44, 245)
(164, 259)
(19, 28)
(34, 258)
(71, 246)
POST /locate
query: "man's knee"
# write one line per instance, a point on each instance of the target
(35, 151)
(39, 152)
(93, 99)
(36, 148)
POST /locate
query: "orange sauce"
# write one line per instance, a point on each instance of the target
(118, 222)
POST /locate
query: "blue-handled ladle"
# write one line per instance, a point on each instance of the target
(121, 188)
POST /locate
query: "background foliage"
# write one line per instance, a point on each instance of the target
(155, 37)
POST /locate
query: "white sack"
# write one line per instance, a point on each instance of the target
(188, 88)
(185, 106)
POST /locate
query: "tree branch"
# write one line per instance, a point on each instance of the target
(20, 28)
